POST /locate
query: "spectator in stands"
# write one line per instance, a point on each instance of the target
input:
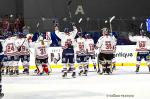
(18, 24)
(26, 29)
(5, 24)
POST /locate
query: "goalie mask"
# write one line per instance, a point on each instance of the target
(105, 31)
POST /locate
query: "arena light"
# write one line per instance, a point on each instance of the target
(65, 19)
(11, 15)
(106, 21)
(43, 19)
(88, 19)
(133, 18)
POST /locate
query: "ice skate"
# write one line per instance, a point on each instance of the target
(137, 69)
(81, 72)
(95, 69)
(149, 69)
(74, 74)
(64, 74)
(17, 72)
(1, 95)
(85, 72)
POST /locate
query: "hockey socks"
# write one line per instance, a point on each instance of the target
(45, 68)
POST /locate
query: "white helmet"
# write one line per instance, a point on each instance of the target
(105, 31)
(29, 35)
(40, 38)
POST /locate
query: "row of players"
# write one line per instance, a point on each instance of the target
(16, 48)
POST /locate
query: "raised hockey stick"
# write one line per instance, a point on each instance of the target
(68, 6)
(80, 20)
(111, 19)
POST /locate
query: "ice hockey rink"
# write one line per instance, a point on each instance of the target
(123, 83)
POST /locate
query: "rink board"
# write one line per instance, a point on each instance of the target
(90, 65)
(125, 56)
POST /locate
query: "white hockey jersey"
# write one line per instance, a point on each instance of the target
(142, 43)
(107, 44)
(48, 37)
(80, 45)
(9, 47)
(23, 45)
(90, 45)
(41, 51)
(67, 39)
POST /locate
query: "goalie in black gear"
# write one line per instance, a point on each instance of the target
(107, 48)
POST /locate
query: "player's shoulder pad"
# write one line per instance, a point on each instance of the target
(101, 37)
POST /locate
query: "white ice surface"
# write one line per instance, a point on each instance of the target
(124, 81)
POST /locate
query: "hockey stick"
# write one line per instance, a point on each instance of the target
(80, 20)
(69, 11)
(19, 49)
(37, 26)
(68, 6)
(111, 19)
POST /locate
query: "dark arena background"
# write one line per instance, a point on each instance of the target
(95, 14)
(36, 17)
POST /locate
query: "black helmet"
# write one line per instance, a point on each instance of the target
(21, 35)
(66, 30)
(80, 34)
(142, 32)
(9, 34)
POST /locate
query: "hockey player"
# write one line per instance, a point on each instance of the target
(5, 66)
(90, 50)
(107, 47)
(4, 61)
(81, 54)
(1, 58)
(23, 46)
(10, 50)
(142, 44)
(67, 43)
(41, 54)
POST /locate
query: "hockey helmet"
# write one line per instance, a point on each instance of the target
(41, 38)
(80, 34)
(29, 37)
(66, 30)
(105, 31)
(21, 35)
(87, 36)
(9, 34)
(142, 32)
